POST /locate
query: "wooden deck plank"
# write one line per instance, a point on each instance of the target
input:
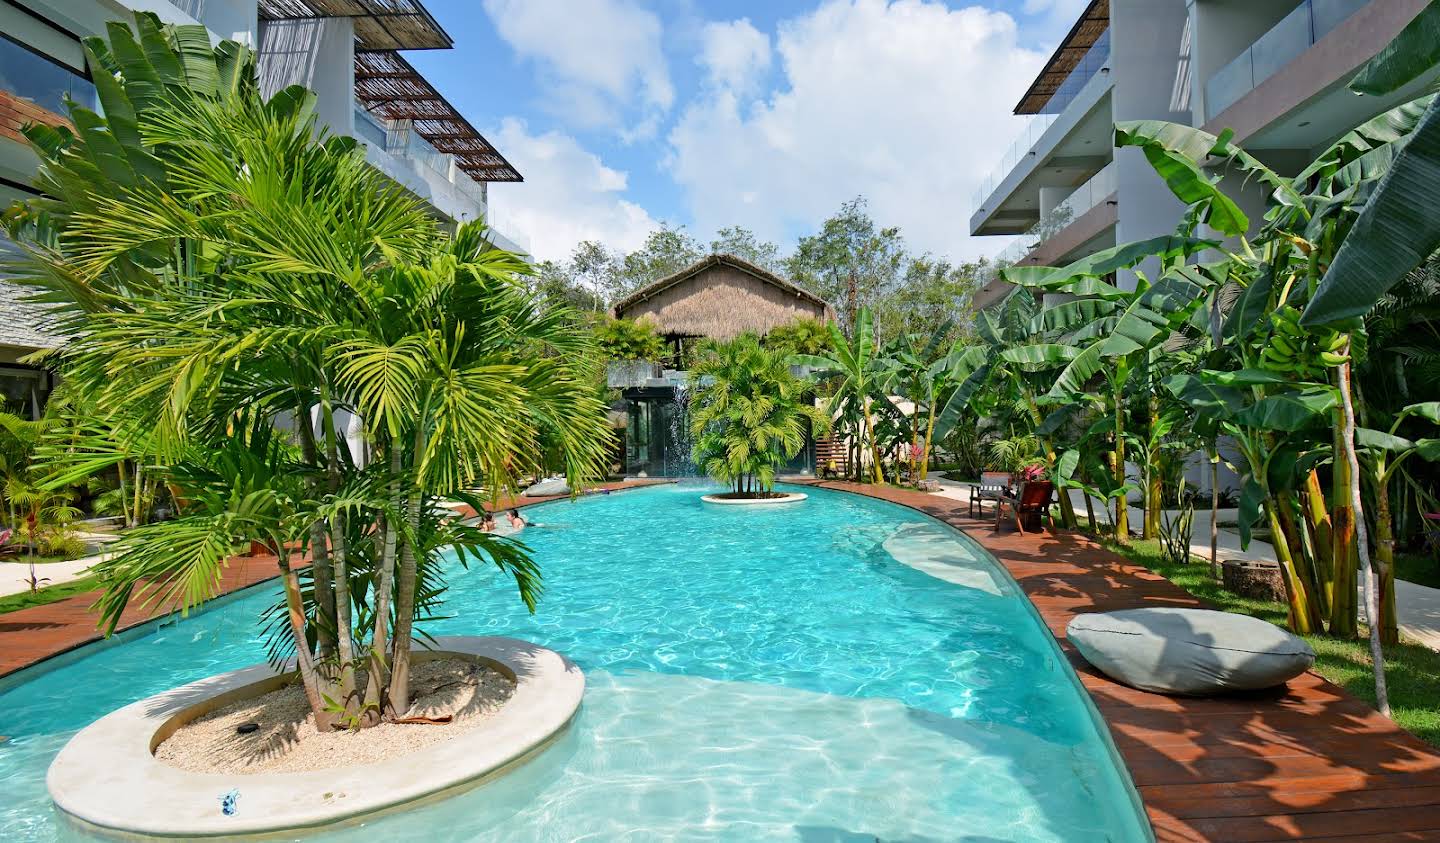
(1307, 761)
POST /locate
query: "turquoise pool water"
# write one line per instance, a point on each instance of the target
(833, 671)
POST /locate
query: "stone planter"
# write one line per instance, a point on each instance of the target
(107, 776)
(1257, 580)
(787, 497)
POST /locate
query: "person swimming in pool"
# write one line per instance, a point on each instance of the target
(516, 521)
(487, 523)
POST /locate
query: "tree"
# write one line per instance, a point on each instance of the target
(666, 251)
(858, 373)
(803, 336)
(743, 244)
(234, 280)
(851, 262)
(749, 414)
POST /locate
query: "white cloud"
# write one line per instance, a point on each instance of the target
(598, 58)
(906, 102)
(735, 55)
(568, 195)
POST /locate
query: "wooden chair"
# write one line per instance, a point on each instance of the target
(1033, 499)
(992, 486)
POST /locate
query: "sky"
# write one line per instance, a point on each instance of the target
(623, 115)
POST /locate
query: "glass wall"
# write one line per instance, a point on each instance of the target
(47, 83)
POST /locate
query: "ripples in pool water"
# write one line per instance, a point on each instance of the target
(836, 670)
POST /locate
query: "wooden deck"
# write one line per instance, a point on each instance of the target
(1307, 761)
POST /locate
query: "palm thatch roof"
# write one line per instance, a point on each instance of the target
(379, 24)
(654, 288)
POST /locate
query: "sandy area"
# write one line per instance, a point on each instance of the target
(287, 741)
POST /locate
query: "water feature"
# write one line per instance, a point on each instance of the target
(839, 670)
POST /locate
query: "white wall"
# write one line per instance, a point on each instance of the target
(316, 53)
(1150, 58)
(233, 20)
(1222, 30)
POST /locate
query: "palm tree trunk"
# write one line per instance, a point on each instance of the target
(124, 497)
(380, 638)
(344, 625)
(319, 551)
(1362, 544)
(295, 614)
(1154, 489)
(405, 599)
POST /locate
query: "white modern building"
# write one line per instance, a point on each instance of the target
(347, 51)
(1274, 71)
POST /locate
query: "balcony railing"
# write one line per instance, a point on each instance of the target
(1035, 125)
(31, 76)
(1293, 35)
(408, 144)
(1099, 187)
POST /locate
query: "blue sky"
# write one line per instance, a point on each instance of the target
(623, 114)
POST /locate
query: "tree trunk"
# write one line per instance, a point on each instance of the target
(874, 447)
(124, 498)
(1215, 513)
(295, 614)
(340, 568)
(1317, 522)
(929, 438)
(319, 556)
(1117, 457)
(1362, 544)
(1385, 560)
(380, 638)
(1090, 514)
(1344, 555)
(1304, 615)
(1154, 489)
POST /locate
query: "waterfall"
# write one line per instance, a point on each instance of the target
(679, 450)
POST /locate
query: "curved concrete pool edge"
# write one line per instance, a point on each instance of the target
(107, 776)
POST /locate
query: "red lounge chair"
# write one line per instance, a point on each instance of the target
(1031, 504)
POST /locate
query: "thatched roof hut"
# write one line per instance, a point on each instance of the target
(721, 296)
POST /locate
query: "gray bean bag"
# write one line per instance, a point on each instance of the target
(552, 486)
(1194, 652)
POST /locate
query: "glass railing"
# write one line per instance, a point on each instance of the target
(1035, 125)
(1293, 35)
(1094, 191)
(408, 144)
(31, 76)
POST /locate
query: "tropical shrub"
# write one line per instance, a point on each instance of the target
(749, 414)
(235, 281)
(626, 339)
(803, 336)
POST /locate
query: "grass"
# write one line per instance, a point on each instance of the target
(1412, 671)
(48, 594)
(1419, 568)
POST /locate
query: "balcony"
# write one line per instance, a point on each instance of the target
(1096, 59)
(1099, 188)
(1293, 35)
(434, 175)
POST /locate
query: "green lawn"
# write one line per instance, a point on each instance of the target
(1413, 671)
(1419, 568)
(47, 594)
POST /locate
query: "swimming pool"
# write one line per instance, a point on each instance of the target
(841, 669)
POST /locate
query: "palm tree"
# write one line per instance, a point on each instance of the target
(750, 414)
(227, 275)
(853, 363)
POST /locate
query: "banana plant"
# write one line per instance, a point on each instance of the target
(915, 370)
(856, 367)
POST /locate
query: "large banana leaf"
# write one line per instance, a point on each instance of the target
(1156, 313)
(1062, 279)
(1040, 355)
(1209, 399)
(1174, 151)
(1397, 230)
(1084, 366)
(1289, 411)
(1408, 57)
(1069, 316)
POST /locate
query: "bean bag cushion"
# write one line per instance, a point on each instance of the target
(1193, 652)
(552, 486)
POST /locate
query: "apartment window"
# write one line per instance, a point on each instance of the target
(41, 80)
(24, 389)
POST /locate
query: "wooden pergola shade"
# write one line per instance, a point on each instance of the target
(379, 24)
(389, 87)
(1083, 35)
